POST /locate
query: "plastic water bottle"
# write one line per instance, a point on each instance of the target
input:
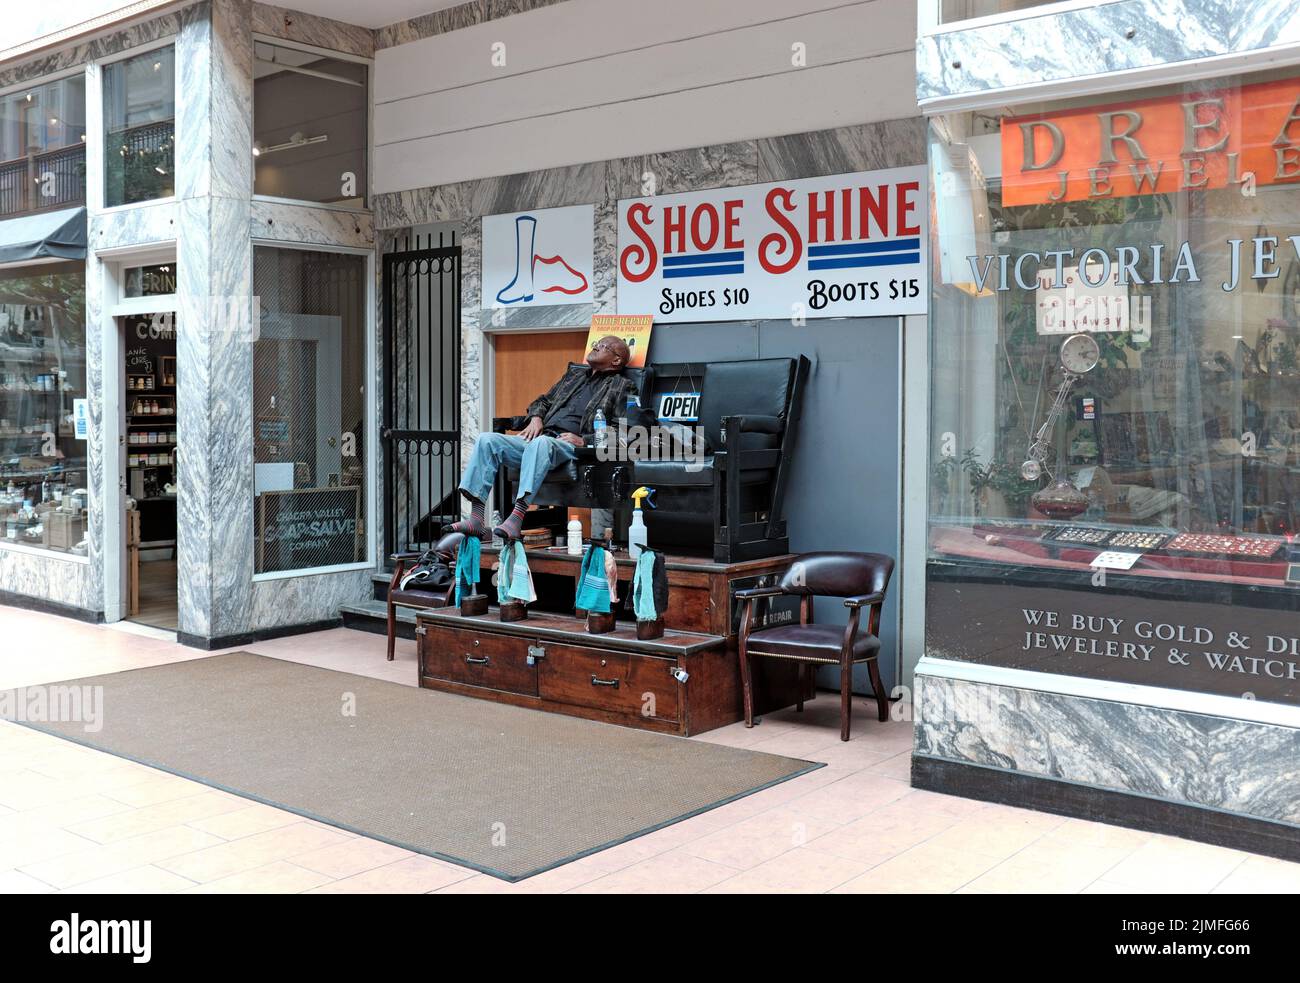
(601, 432)
(574, 545)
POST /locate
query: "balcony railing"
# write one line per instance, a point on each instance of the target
(139, 163)
(43, 182)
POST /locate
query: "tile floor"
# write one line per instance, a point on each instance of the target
(74, 819)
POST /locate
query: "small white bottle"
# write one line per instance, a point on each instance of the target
(574, 543)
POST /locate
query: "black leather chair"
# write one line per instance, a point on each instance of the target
(862, 580)
(749, 412)
(446, 549)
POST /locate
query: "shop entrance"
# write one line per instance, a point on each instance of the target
(149, 467)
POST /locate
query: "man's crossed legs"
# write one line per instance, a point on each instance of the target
(534, 458)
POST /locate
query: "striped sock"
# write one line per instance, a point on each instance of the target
(514, 525)
(475, 524)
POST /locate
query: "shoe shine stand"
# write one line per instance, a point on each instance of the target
(562, 663)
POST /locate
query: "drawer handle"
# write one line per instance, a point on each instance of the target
(596, 681)
(472, 661)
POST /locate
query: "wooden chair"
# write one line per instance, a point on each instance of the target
(446, 549)
(861, 579)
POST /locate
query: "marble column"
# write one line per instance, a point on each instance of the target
(215, 327)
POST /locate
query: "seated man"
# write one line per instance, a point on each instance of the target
(559, 422)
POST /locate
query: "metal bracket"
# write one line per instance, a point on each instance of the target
(535, 654)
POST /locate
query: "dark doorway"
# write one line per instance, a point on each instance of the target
(421, 428)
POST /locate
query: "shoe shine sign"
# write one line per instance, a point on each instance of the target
(538, 258)
(850, 245)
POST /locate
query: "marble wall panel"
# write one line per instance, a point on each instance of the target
(138, 225)
(1243, 767)
(298, 600)
(310, 226)
(61, 580)
(104, 46)
(453, 19)
(295, 25)
(1090, 41)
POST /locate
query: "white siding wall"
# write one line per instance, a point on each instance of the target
(597, 79)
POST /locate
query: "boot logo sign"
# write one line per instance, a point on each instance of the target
(539, 257)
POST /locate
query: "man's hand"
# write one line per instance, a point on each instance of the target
(572, 438)
(532, 430)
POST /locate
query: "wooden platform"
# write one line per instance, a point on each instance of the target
(684, 683)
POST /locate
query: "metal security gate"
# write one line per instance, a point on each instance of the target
(421, 430)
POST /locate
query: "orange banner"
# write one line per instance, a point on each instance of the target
(632, 328)
(1190, 142)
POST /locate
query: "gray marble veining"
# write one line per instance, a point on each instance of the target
(135, 226)
(298, 600)
(1046, 47)
(311, 226)
(104, 46)
(1244, 767)
(453, 19)
(295, 25)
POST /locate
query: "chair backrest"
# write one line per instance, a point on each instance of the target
(759, 386)
(837, 574)
(643, 378)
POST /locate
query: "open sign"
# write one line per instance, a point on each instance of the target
(679, 407)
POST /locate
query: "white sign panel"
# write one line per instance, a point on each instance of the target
(850, 245)
(538, 258)
(80, 419)
(1097, 304)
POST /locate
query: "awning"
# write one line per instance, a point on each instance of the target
(51, 235)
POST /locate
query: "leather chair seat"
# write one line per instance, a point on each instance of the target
(810, 643)
(683, 474)
(418, 598)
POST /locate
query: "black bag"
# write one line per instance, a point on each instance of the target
(431, 573)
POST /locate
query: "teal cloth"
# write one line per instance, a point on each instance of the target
(467, 561)
(512, 574)
(593, 587)
(643, 590)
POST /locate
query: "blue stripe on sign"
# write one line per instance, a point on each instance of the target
(704, 271)
(857, 248)
(891, 259)
(698, 259)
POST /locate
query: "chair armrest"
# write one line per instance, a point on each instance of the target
(753, 592)
(754, 423)
(405, 556)
(859, 600)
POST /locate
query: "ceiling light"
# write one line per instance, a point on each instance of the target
(297, 140)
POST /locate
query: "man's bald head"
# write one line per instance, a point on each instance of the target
(609, 354)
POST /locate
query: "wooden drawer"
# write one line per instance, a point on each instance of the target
(618, 682)
(477, 659)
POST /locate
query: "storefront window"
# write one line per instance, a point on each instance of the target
(309, 126)
(42, 147)
(1116, 357)
(140, 128)
(43, 487)
(309, 402)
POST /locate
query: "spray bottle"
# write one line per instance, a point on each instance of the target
(636, 534)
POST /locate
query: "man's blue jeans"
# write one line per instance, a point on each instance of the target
(533, 458)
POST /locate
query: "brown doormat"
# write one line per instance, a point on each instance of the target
(504, 790)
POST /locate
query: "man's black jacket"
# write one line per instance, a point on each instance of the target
(611, 396)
